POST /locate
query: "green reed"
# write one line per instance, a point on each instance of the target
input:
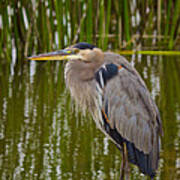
(175, 24)
(168, 18)
(126, 21)
(107, 26)
(89, 21)
(55, 24)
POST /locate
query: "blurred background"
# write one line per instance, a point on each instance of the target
(42, 134)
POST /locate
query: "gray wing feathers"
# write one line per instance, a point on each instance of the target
(132, 111)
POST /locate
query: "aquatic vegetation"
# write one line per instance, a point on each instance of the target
(51, 24)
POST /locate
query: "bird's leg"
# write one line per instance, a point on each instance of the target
(122, 167)
(126, 162)
(123, 163)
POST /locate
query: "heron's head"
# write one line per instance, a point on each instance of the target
(84, 52)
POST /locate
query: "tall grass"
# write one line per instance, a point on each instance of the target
(175, 24)
(28, 25)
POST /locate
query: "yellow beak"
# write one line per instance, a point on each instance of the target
(55, 56)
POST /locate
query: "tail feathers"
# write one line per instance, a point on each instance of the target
(145, 162)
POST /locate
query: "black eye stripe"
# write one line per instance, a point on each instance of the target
(84, 45)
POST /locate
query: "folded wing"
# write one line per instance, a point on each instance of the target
(130, 115)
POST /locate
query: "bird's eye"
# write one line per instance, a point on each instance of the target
(76, 50)
(86, 61)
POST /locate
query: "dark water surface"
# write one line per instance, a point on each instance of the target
(43, 135)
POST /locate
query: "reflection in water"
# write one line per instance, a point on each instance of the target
(44, 136)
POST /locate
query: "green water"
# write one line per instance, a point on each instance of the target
(43, 135)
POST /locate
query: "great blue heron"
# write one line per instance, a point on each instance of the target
(111, 89)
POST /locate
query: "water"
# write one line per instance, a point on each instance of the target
(44, 136)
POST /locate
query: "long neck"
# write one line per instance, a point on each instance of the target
(80, 80)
